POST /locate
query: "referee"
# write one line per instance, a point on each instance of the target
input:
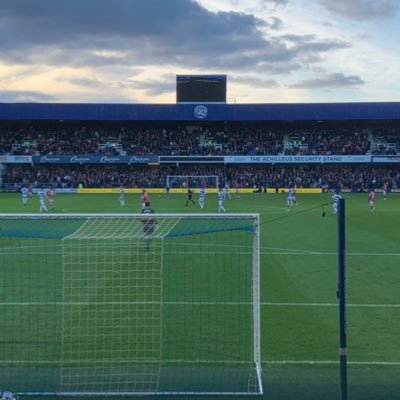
(189, 197)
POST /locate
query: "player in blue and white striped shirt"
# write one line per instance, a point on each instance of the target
(289, 201)
(121, 196)
(24, 193)
(202, 197)
(42, 199)
(221, 198)
(335, 200)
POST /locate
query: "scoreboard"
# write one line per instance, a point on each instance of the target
(201, 88)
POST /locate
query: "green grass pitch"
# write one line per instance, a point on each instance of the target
(299, 313)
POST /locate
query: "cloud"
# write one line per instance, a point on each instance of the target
(84, 82)
(253, 82)
(154, 87)
(274, 23)
(25, 96)
(330, 80)
(362, 9)
(98, 33)
(275, 3)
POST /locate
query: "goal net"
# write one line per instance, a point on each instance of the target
(130, 304)
(192, 181)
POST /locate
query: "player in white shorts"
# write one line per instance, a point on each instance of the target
(335, 201)
(121, 196)
(227, 192)
(289, 200)
(221, 198)
(24, 194)
(42, 200)
(202, 197)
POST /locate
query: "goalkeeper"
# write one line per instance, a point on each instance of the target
(148, 225)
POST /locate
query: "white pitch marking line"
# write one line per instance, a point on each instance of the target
(331, 254)
(286, 251)
(198, 303)
(324, 362)
(355, 305)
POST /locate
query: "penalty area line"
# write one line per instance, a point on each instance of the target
(355, 305)
(302, 252)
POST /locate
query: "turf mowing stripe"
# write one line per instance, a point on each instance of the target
(198, 303)
(266, 362)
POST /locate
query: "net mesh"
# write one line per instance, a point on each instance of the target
(100, 305)
(192, 181)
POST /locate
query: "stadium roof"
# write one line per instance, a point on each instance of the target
(200, 112)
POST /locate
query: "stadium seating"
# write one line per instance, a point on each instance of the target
(189, 140)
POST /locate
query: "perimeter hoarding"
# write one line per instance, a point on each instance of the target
(386, 159)
(90, 159)
(297, 159)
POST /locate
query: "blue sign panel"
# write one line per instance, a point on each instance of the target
(200, 112)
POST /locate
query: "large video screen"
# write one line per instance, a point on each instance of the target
(201, 88)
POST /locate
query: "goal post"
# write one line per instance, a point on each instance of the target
(192, 181)
(117, 304)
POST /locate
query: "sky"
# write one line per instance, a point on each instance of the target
(130, 51)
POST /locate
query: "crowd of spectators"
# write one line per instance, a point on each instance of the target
(388, 144)
(141, 139)
(184, 139)
(355, 177)
(347, 141)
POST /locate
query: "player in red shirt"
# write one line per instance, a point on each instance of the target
(371, 200)
(51, 195)
(385, 189)
(237, 188)
(144, 198)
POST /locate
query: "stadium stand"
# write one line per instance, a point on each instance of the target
(184, 139)
(352, 137)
